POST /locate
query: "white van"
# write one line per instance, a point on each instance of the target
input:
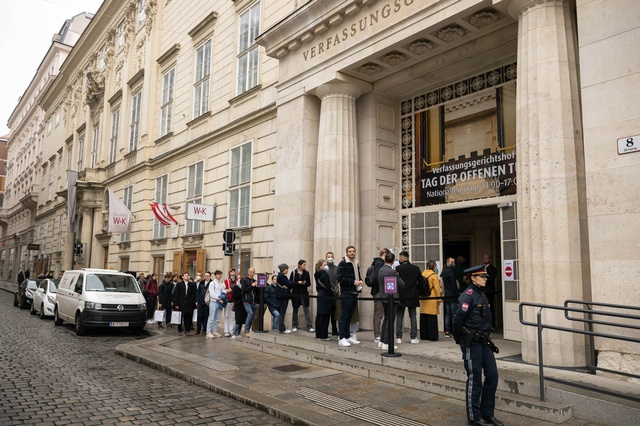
(100, 298)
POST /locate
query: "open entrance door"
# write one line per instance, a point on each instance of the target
(470, 235)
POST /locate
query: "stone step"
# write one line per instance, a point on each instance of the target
(368, 363)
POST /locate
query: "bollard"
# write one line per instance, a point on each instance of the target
(390, 323)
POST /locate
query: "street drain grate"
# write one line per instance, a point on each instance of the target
(289, 368)
(353, 409)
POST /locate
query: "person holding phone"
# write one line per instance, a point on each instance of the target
(300, 295)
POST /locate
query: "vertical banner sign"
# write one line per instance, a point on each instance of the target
(72, 177)
(262, 281)
(390, 285)
(119, 214)
(508, 272)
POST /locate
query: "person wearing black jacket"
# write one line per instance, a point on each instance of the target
(184, 300)
(238, 309)
(272, 302)
(409, 295)
(325, 299)
(350, 281)
(372, 281)
(300, 295)
(450, 293)
(332, 270)
(203, 308)
(248, 299)
(164, 298)
(282, 294)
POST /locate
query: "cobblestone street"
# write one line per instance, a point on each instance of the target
(52, 377)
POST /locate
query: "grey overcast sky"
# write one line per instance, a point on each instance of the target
(27, 27)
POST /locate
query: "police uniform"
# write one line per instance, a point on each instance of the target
(472, 330)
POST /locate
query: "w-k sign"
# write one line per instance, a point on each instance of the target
(200, 212)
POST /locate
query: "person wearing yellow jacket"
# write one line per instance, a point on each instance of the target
(429, 309)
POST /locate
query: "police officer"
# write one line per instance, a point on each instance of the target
(472, 331)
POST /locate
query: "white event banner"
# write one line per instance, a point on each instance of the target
(201, 212)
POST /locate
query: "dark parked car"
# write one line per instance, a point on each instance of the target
(24, 294)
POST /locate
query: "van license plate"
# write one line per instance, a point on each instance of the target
(118, 324)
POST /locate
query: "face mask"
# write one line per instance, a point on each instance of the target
(325, 267)
(330, 260)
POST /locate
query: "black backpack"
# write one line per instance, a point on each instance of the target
(371, 277)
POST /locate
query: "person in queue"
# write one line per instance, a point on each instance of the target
(351, 283)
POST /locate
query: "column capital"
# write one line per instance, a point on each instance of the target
(338, 87)
(516, 7)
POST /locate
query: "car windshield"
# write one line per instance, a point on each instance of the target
(53, 286)
(32, 285)
(112, 283)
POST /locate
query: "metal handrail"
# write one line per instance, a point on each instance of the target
(590, 321)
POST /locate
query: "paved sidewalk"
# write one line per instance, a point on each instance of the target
(281, 375)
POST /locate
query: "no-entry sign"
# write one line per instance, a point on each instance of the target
(508, 272)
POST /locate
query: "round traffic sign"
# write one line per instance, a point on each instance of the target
(508, 272)
(229, 236)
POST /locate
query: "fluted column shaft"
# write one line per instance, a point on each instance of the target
(337, 207)
(550, 174)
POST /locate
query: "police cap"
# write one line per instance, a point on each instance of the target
(478, 271)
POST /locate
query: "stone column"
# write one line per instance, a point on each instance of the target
(337, 207)
(552, 244)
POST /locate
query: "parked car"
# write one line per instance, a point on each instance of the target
(24, 293)
(44, 298)
(100, 298)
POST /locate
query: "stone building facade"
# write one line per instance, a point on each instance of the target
(447, 128)
(29, 128)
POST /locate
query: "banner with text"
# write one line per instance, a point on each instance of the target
(482, 176)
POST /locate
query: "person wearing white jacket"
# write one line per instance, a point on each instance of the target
(216, 289)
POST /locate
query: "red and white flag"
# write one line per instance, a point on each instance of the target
(119, 214)
(161, 213)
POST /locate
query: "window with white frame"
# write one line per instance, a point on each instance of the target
(101, 58)
(59, 168)
(120, 34)
(113, 143)
(142, 14)
(60, 225)
(160, 197)
(57, 115)
(203, 72)
(248, 50)
(49, 124)
(240, 186)
(69, 156)
(94, 146)
(126, 200)
(195, 176)
(166, 111)
(81, 154)
(135, 121)
(51, 170)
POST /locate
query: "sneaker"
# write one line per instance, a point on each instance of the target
(226, 334)
(150, 321)
(216, 334)
(380, 344)
(187, 333)
(180, 333)
(385, 347)
(234, 336)
(197, 333)
(415, 341)
(446, 334)
(210, 336)
(343, 342)
(311, 330)
(287, 331)
(376, 340)
(398, 340)
(353, 340)
(353, 336)
(247, 334)
(294, 329)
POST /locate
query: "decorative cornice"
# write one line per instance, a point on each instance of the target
(173, 50)
(136, 77)
(209, 20)
(116, 97)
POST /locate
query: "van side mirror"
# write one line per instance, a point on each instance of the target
(78, 288)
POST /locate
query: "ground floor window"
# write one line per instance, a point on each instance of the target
(124, 264)
(158, 265)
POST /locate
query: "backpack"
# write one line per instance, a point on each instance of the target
(371, 277)
(427, 284)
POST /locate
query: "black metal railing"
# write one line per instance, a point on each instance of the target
(589, 312)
